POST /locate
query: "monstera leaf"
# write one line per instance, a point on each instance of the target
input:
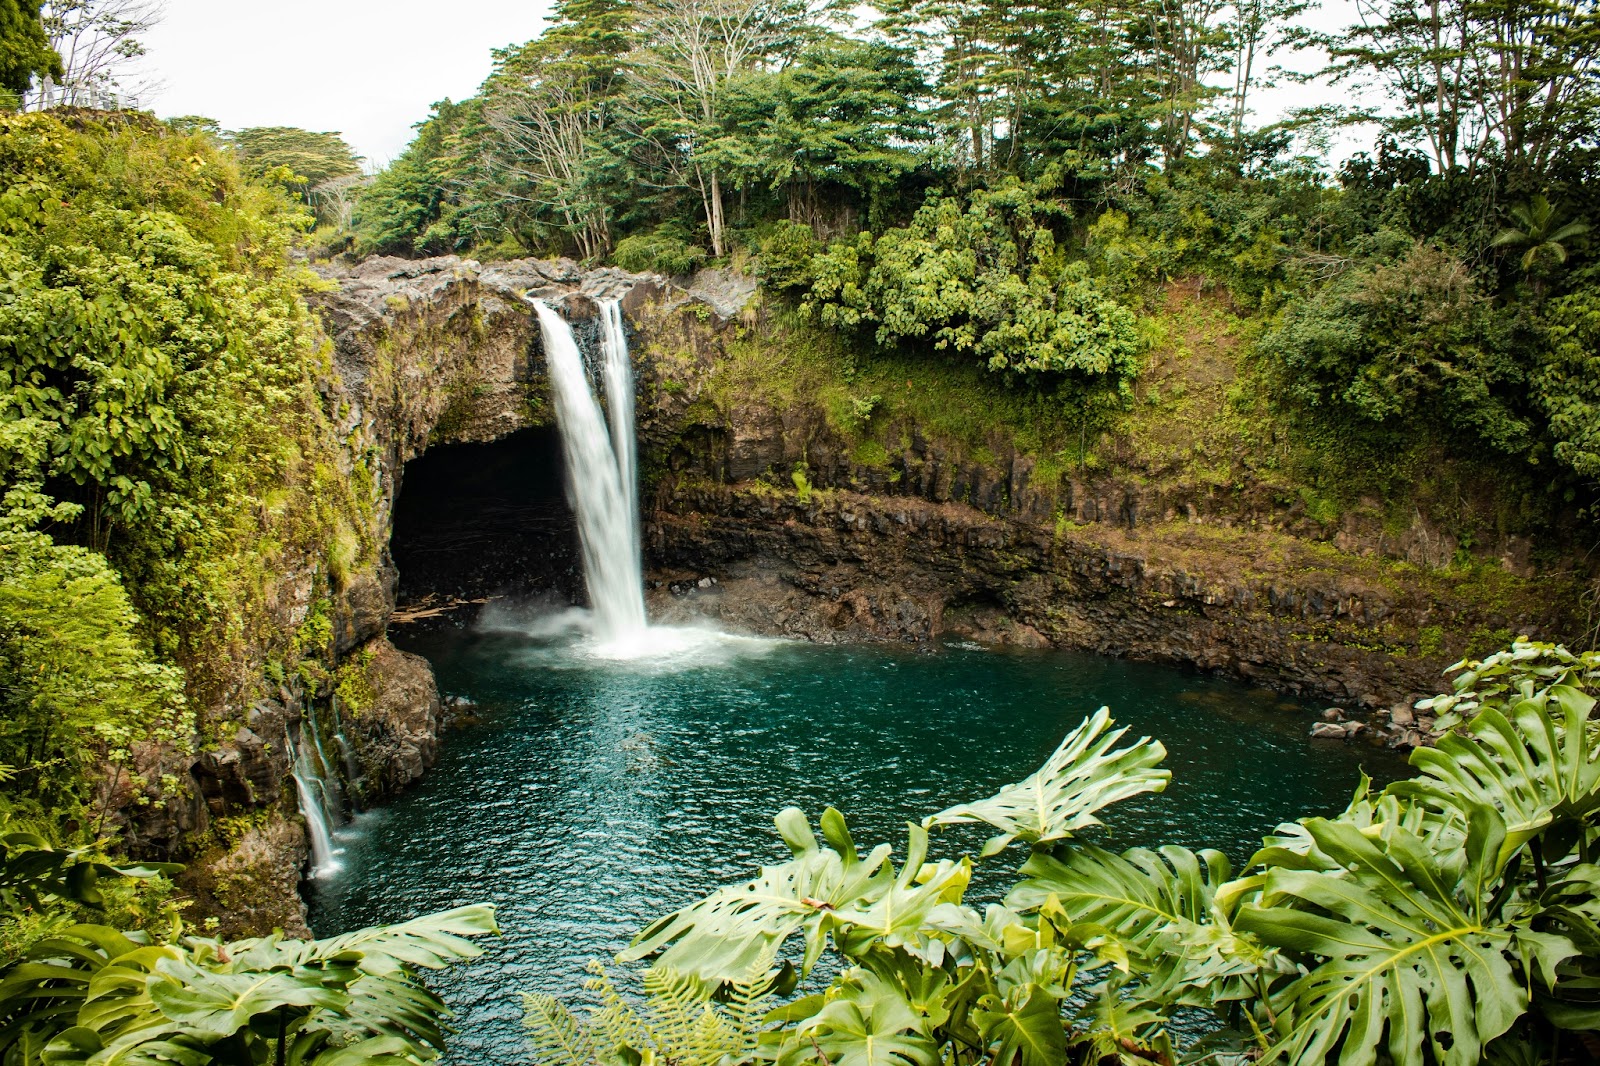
(1381, 815)
(1061, 799)
(898, 917)
(1402, 948)
(431, 942)
(33, 873)
(1161, 907)
(94, 995)
(1138, 895)
(1023, 1028)
(866, 1021)
(1563, 956)
(1122, 1028)
(722, 936)
(213, 1005)
(1539, 769)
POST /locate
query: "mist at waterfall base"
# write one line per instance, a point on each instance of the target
(611, 771)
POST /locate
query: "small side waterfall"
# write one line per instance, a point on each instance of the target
(600, 470)
(310, 784)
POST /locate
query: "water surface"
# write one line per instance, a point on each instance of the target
(592, 795)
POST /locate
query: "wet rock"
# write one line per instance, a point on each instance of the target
(397, 735)
(1328, 731)
(253, 887)
(363, 608)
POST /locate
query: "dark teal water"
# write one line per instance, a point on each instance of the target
(591, 797)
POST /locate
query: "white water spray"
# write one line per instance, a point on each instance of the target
(603, 491)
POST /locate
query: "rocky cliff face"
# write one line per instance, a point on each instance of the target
(769, 518)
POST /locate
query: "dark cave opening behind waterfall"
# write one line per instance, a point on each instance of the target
(482, 520)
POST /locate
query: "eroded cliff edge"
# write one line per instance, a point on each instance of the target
(771, 511)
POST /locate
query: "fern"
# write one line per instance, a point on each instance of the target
(556, 1034)
(678, 1024)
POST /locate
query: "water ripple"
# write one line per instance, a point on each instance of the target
(595, 795)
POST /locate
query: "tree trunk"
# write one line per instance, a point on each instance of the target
(714, 215)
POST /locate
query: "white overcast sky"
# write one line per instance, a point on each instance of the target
(369, 69)
(366, 68)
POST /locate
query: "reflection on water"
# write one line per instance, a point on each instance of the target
(602, 787)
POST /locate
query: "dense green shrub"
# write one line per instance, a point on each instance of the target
(786, 254)
(80, 686)
(664, 250)
(90, 993)
(1566, 385)
(157, 367)
(409, 207)
(1407, 336)
(1208, 220)
(988, 278)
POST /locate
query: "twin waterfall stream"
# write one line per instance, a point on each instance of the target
(602, 479)
(602, 460)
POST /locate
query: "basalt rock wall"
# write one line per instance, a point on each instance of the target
(423, 353)
(764, 517)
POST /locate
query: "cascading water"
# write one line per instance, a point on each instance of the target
(617, 374)
(600, 471)
(313, 796)
(328, 784)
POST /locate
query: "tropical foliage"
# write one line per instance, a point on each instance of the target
(1450, 919)
(1013, 187)
(93, 994)
(157, 369)
(24, 49)
(986, 278)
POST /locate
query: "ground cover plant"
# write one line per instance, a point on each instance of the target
(1453, 918)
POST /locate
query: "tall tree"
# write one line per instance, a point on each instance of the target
(412, 206)
(1187, 43)
(549, 108)
(1259, 28)
(313, 158)
(843, 116)
(1475, 79)
(24, 47)
(688, 54)
(980, 67)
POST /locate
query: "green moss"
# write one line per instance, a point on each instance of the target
(1430, 640)
(316, 632)
(871, 453)
(354, 686)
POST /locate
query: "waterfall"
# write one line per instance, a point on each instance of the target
(314, 806)
(352, 772)
(327, 781)
(617, 374)
(600, 473)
